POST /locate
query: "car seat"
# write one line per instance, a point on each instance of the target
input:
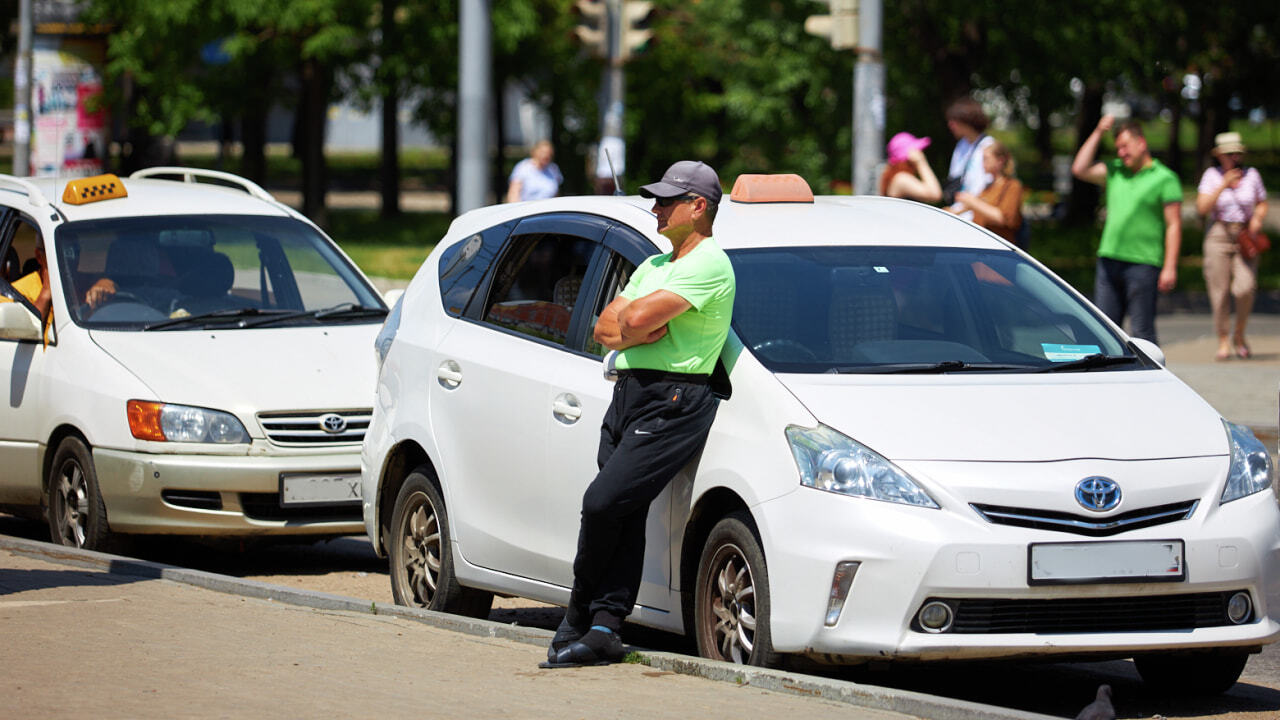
(862, 310)
(565, 291)
(206, 282)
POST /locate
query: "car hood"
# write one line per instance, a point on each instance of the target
(246, 371)
(1127, 415)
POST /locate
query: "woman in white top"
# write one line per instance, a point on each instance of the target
(535, 177)
(1234, 199)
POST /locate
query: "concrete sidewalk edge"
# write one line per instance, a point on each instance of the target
(842, 691)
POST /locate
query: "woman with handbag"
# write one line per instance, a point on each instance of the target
(999, 207)
(1236, 202)
(968, 124)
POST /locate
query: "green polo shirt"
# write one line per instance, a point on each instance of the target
(1134, 231)
(694, 338)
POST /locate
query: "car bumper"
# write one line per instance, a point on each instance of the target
(218, 494)
(909, 555)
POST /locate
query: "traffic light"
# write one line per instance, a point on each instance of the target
(593, 28)
(633, 37)
(841, 26)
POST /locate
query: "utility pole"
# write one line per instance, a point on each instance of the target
(868, 100)
(857, 25)
(475, 69)
(22, 93)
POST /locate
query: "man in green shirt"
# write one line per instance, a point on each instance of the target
(1141, 239)
(668, 326)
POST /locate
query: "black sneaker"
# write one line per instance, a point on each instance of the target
(599, 646)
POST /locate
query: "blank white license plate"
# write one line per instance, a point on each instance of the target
(323, 489)
(1106, 562)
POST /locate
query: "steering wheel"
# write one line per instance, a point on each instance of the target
(784, 350)
(120, 296)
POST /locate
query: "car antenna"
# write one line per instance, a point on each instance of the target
(617, 186)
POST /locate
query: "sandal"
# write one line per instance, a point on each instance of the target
(1243, 352)
(1222, 354)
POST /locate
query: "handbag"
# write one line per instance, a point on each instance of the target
(1252, 244)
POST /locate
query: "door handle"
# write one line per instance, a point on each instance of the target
(449, 374)
(566, 408)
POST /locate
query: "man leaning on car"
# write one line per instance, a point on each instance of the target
(667, 327)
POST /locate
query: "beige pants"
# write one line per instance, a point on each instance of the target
(1227, 273)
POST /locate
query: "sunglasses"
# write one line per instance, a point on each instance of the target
(668, 202)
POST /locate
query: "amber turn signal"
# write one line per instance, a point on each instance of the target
(144, 420)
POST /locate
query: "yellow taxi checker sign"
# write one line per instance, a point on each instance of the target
(93, 189)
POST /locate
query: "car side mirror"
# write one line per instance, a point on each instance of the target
(18, 323)
(1149, 349)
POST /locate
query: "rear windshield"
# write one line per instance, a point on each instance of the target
(135, 273)
(893, 309)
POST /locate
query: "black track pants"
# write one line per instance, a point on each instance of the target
(653, 428)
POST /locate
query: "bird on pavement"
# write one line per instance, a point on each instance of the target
(1101, 708)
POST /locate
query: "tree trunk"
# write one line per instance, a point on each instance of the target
(317, 81)
(389, 169)
(1173, 156)
(253, 140)
(1083, 207)
(1044, 139)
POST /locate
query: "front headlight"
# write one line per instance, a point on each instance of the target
(163, 422)
(831, 461)
(1250, 464)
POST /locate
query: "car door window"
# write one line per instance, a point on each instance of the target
(463, 266)
(19, 253)
(536, 285)
(617, 275)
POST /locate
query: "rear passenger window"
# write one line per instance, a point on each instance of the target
(464, 265)
(536, 285)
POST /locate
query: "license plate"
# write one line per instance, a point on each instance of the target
(1124, 561)
(325, 489)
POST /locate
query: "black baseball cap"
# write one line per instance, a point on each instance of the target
(686, 176)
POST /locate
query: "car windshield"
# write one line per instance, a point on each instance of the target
(191, 271)
(915, 310)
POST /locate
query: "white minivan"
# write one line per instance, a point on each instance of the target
(929, 447)
(206, 367)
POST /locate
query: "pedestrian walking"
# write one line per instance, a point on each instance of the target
(999, 206)
(535, 177)
(968, 124)
(667, 327)
(1138, 254)
(1233, 197)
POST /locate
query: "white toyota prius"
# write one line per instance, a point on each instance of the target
(929, 446)
(205, 370)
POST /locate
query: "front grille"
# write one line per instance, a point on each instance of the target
(1086, 525)
(307, 427)
(266, 506)
(1089, 615)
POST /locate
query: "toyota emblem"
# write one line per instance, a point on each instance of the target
(1097, 493)
(333, 423)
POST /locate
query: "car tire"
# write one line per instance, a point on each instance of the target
(1205, 673)
(77, 513)
(731, 597)
(421, 563)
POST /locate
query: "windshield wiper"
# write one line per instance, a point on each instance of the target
(1089, 362)
(945, 366)
(225, 315)
(344, 311)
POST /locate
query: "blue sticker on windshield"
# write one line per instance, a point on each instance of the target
(1064, 353)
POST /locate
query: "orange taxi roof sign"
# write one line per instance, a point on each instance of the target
(93, 189)
(783, 187)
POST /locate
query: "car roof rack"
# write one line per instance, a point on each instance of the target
(23, 185)
(189, 175)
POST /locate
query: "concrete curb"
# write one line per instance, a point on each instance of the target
(841, 691)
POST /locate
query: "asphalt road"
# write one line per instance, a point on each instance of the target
(347, 566)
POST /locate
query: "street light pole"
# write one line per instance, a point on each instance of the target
(868, 99)
(22, 94)
(475, 68)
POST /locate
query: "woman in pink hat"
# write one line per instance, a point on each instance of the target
(908, 174)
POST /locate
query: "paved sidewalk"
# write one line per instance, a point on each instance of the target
(86, 633)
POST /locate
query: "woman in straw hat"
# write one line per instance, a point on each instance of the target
(1234, 199)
